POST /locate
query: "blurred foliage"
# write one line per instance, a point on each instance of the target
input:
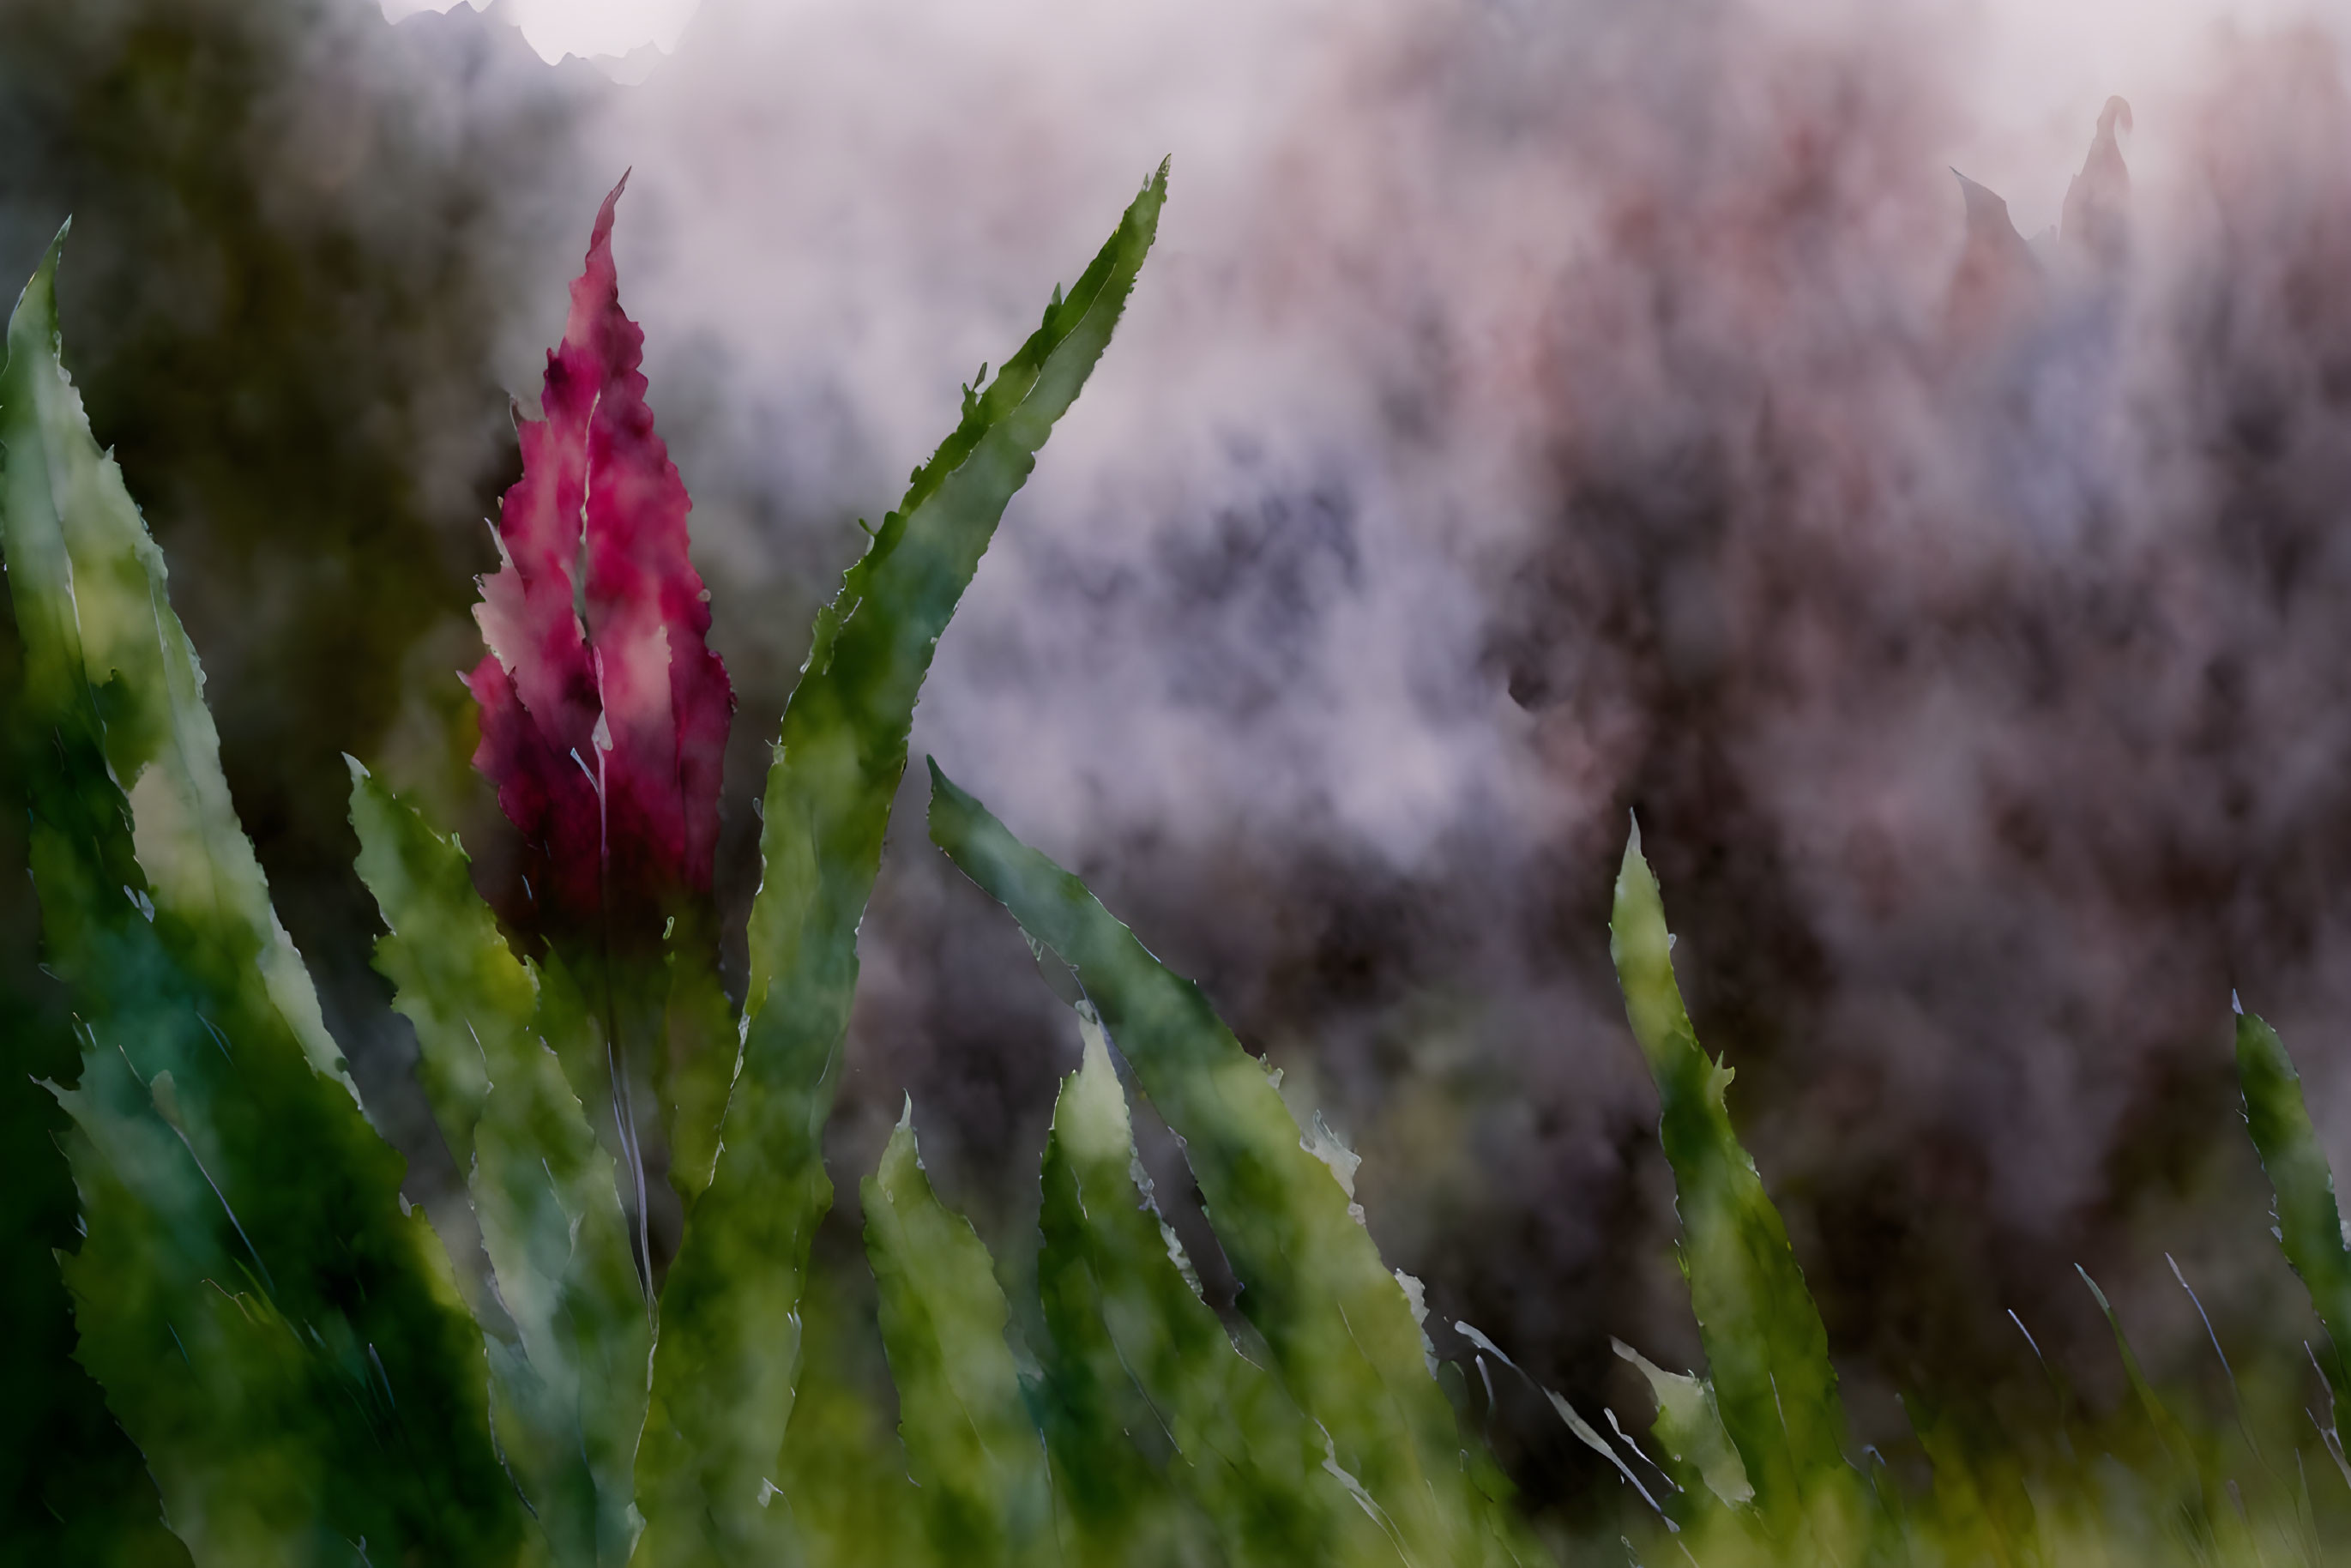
(2142, 1486)
(299, 234)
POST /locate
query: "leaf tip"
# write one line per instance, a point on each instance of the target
(946, 797)
(39, 293)
(902, 1156)
(2095, 1292)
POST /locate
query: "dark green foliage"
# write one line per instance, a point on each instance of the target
(272, 1327)
(852, 1502)
(296, 250)
(1756, 1447)
(2167, 1427)
(2309, 1223)
(73, 1489)
(292, 252)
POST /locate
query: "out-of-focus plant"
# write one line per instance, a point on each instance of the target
(1757, 1463)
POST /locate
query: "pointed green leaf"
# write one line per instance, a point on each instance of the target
(452, 975)
(1766, 1349)
(704, 1045)
(970, 1445)
(1690, 1428)
(569, 1381)
(2218, 1530)
(2309, 1223)
(722, 1392)
(1341, 1331)
(72, 1486)
(2168, 1429)
(1136, 1352)
(278, 1335)
(1115, 1504)
(851, 1502)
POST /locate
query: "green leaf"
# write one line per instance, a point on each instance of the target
(851, 1503)
(568, 1381)
(277, 1333)
(723, 1375)
(2213, 1525)
(1343, 1331)
(2309, 1224)
(1136, 1352)
(1690, 1428)
(703, 1045)
(72, 1486)
(970, 1445)
(1116, 1504)
(1766, 1349)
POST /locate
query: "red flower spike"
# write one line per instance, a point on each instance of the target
(604, 738)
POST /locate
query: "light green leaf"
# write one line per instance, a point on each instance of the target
(850, 1504)
(1690, 1428)
(1342, 1333)
(970, 1445)
(1982, 1512)
(1766, 1349)
(569, 1381)
(723, 1376)
(1138, 1355)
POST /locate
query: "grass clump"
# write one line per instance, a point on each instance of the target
(646, 1364)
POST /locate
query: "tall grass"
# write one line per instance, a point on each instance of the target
(312, 1378)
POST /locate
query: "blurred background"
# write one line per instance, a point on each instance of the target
(1918, 488)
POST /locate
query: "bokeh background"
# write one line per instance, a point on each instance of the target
(1536, 411)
